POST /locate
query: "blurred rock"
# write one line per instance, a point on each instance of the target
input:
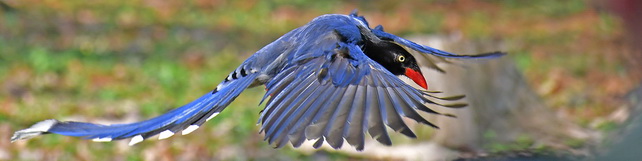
(625, 143)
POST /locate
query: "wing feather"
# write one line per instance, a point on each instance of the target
(333, 132)
(354, 127)
(339, 97)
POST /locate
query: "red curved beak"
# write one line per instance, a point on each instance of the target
(417, 77)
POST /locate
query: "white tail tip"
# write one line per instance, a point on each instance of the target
(107, 139)
(190, 129)
(165, 134)
(137, 139)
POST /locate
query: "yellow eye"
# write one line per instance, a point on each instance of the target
(401, 58)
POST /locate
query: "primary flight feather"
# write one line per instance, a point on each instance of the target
(332, 79)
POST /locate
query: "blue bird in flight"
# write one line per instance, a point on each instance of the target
(332, 79)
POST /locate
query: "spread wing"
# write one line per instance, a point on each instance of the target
(378, 31)
(341, 95)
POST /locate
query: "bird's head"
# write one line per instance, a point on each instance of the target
(392, 52)
(395, 59)
(389, 54)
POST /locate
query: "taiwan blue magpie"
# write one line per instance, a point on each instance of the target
(332, 79)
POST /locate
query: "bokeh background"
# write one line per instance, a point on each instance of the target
(122, 61)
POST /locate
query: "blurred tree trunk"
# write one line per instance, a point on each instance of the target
(502, 108)
(625, 144)
(501, 104)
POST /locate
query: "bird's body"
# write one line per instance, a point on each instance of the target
(331, 79)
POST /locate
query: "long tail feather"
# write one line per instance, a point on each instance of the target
(186, 119)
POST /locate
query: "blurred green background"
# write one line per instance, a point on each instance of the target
(135, 59)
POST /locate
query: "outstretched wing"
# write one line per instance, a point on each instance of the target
(186, 118)
(378, 31)
(339, 96)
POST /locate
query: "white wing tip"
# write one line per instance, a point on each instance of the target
(189, 129)
(137, 139)
(165, 134)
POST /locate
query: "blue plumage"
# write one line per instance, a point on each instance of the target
(321, 85)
